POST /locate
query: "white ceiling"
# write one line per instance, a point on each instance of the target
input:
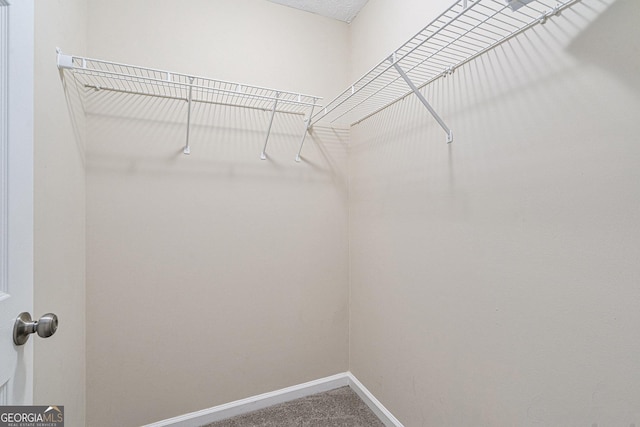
(343, 10)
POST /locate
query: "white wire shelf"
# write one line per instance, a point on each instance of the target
(116, 77)
(467, 29)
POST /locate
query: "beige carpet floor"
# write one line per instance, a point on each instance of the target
(336, 408)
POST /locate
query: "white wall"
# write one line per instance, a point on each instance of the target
(215, 276)
(381, 27)
(250, 41)
(59, 229)
(494, 280)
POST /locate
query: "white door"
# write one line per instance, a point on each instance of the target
(16, 196)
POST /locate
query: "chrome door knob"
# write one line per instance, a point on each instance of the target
(24, 326)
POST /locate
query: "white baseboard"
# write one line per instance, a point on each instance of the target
(374, 404)
(244, 406)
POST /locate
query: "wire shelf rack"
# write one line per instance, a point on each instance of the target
(113, 76)
(116, 77)
(467, 29)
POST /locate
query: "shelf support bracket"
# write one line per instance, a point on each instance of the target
(64, 61)
(263, 155)
(187, 148)
(422, 99)
(307, 126)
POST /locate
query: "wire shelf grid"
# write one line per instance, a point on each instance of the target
(111, 76)
(99, 75)
(467, 29)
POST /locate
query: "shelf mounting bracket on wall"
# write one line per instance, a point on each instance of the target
(307, 126)
(187, 148)
(263, 155)
(421, 97)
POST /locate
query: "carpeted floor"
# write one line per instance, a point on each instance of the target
(336, 408)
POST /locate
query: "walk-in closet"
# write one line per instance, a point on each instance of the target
(423, 213)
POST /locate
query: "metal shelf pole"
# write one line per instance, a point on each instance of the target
(306, 130)
(263, 155)
(423, 99)
(187, 148)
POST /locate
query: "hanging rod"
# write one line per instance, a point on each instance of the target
(131, 79)
(464, 31)
(176, 98)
